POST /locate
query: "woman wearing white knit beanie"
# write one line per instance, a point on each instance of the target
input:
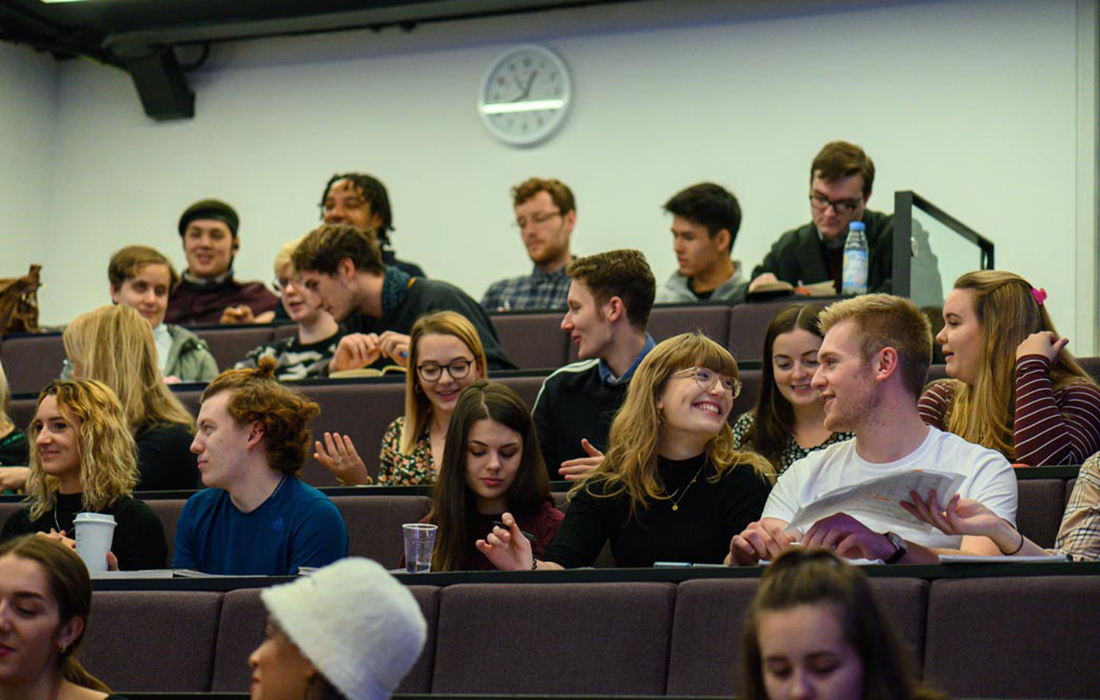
(348, 631)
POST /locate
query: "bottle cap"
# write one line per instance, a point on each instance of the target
(856, 226)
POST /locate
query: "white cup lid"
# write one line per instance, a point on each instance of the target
(94, 518)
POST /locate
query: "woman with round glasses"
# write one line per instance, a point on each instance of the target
(672, 487)
(445, 357)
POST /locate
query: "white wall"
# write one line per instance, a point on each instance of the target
(28, 114)
(972, 103)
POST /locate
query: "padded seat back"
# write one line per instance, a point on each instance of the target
(533, 341)
(580, 639)
(374, 524)
(138, 641)
(229, 344)
(1039, 513)
(748, 324)
(668, 321)
(168, 512)
(1014, 637)
(31, 361)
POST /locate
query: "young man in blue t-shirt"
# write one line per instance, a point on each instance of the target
(256, 517)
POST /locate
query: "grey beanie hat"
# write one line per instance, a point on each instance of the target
(356, 624)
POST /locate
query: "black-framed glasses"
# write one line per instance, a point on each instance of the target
(457, 369)
(707, 378)
(537, 219)
(279, 284)
(840, 206)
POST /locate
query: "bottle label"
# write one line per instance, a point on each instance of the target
(854, 276)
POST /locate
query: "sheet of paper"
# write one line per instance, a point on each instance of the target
(881, 498)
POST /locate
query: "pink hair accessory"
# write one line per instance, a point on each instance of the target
(1040, 295)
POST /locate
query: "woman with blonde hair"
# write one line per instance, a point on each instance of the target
(83, 459)
(1014, 387)
(672, 487)
(445, 357)
(46, 590)
(114, 345)
(14, 449)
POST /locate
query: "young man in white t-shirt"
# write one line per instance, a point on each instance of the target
(873, 365)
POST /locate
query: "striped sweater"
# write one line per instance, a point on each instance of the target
(1049, 427)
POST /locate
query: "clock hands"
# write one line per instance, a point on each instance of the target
(526, 88)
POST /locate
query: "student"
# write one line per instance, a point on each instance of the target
(671, 487)
(545, 216)
(788, 422)
(114, 345)
(14, 448)
(1014, 387)
(491, 465)
(83, 460)
(208, 293)
(347, 632)
(872, 365)
(142, 278)
(446, 355)
(815, 630)
(256, 517)
(378, 303)
(361, 200)
(45, 600)
(705, 221)
(610, 298)
(1078, 537)
(307, 353)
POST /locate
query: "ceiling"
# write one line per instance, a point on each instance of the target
(140, 35)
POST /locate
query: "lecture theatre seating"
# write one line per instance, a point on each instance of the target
(1013, 636)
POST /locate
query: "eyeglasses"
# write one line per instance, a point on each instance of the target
(707, 378)
(840, 206)
(537, 219)
(431, 372)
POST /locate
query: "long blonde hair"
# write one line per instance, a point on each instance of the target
(114, 345)
(108, 454)
(418, 409)
(630, 466)
(1007, 313)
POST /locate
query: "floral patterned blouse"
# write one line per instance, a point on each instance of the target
(792, 451)
(397, 469)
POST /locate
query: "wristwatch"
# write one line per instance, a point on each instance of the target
(900, 548)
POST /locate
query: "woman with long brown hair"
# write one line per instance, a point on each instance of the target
(492, 464)
(45, 600)
(672, 486)
(1014, 387)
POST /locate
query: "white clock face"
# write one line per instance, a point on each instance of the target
(525, 95)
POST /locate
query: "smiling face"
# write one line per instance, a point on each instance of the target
(438, 350)
(146, 292)
(545, 230)
(794, 361)
(961, 336)
(805, 655)
(689, 408)
(57, 440)
(492, 460)
(845, 380)
(30, 626)
(586, 322)
(220, 443)
(279, 669)
(345, 204)
(208, 245)
(847, 193)
(696, 252)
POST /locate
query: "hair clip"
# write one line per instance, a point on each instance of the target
(1040, 295)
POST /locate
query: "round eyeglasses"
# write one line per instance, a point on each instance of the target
(431, 372)
(707, 378)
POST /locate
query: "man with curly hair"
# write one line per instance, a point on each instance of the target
(256, 517)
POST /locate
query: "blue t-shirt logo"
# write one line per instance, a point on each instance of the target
(277, 525)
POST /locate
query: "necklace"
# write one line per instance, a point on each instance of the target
(676, 502)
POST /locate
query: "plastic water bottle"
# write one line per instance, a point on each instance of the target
(854, 274)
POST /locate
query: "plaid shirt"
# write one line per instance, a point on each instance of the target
(1079, 535)
(539, 290)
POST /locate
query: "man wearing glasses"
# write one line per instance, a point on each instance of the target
(545, 217)
(841, 178)
(378, 303)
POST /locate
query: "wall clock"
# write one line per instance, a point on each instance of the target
(525, 95)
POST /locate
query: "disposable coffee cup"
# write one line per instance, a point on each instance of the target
(419, 543)
(94, 533)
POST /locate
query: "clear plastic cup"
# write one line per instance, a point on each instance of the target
(419, 543)
(94, 533)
